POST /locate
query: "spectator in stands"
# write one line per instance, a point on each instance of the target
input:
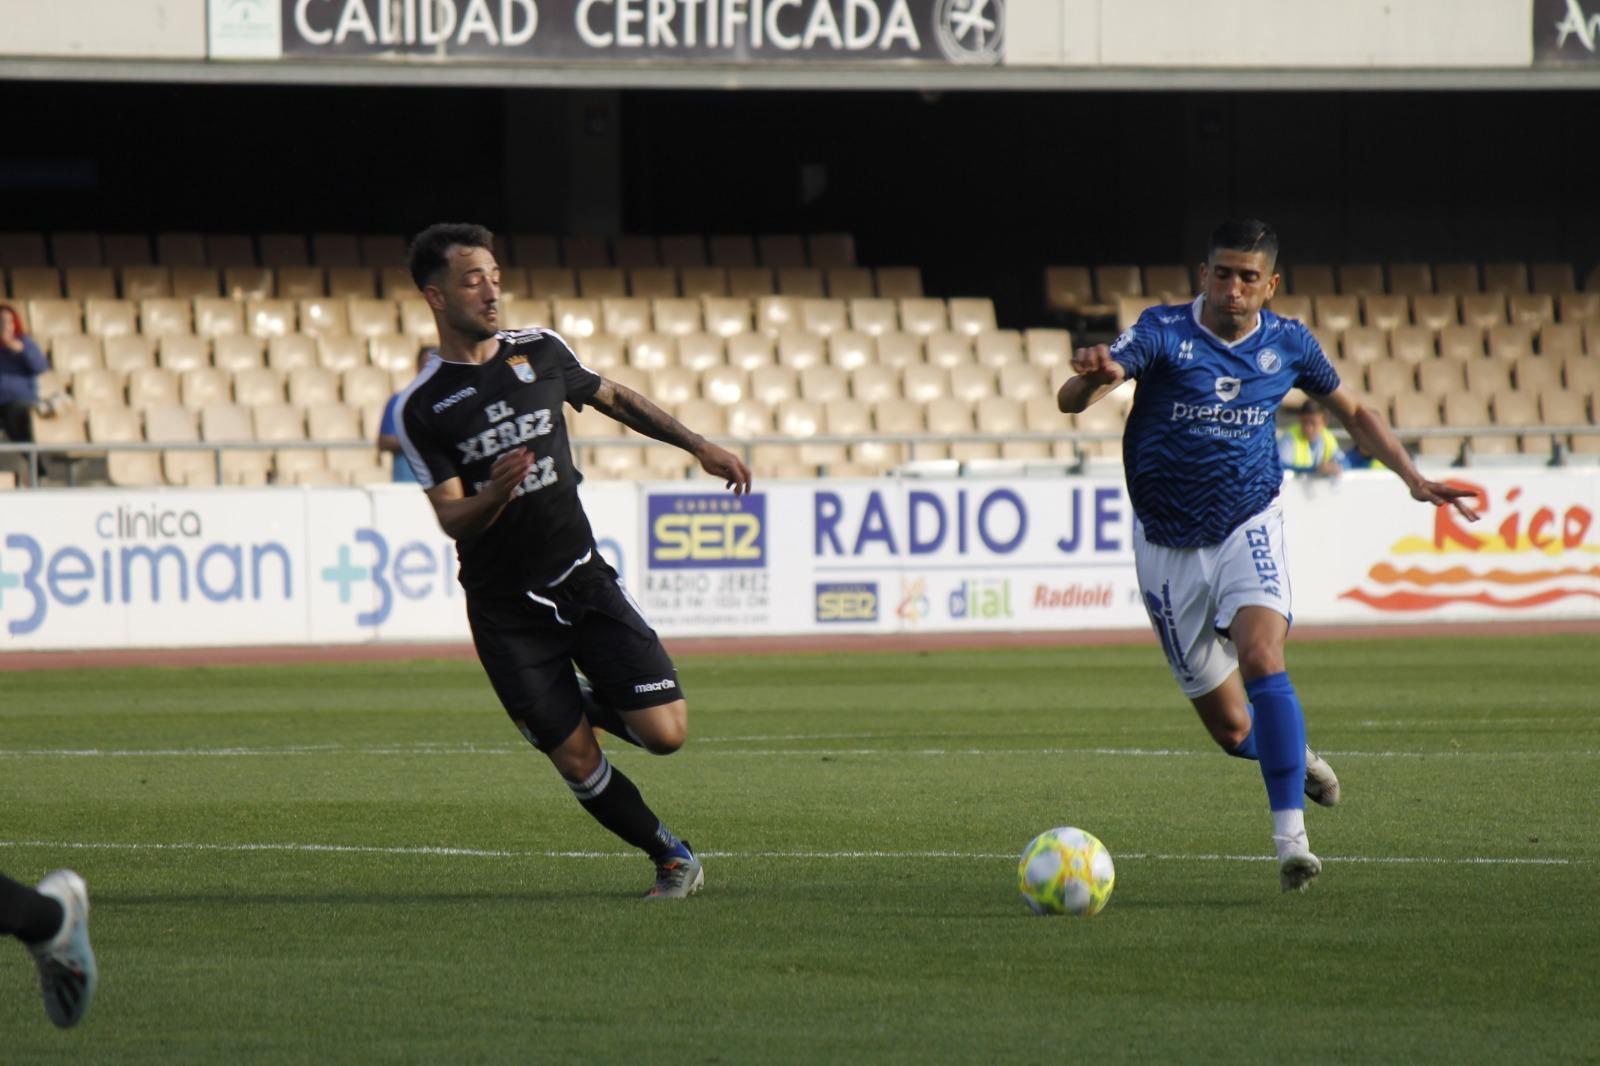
(388, 440)
(21, 363)
(1308, 446)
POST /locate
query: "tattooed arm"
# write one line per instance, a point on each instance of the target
(641, 415)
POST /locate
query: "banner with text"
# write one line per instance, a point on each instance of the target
(1566, 31)
(689, 31)
(121, 568)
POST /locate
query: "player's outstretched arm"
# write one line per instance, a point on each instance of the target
(1373, 435)
(461, 515)
(1096, 374)
(639, 414)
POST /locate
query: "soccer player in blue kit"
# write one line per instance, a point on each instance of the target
(1203, 473)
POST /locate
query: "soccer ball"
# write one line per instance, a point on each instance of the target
(1065, 871)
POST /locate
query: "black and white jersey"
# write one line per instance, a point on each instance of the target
(457, 418)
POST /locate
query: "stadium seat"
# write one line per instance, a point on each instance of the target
(1461, 342)
(249, 283)
(1170, 283)
(1312, 279)
(91, 283)
(1486, 377)
(898, 350)
(232, 423)
(394, 352)
(98, 386)
(735, 251)
(180, 249)
(1437, 377)
(1532, 309)
(146, 282)
(824, 384)
(1436, 312)
(1385, 312)
(1551, 278)
(726, 385)
(534, 250)
(749, 418)
(1415, 411)
(1390, 378)
(119, 424)
(923, 316)
(48, 317)
(777, 313)
(1361, 279)
(585, 253)
(366, 317)
(971, 315)
(1505, 277)
(831, 250)
(1115, 280)
(601, 283)
(650, 351)
(311, 386)
(1337, 312)
(653, 282)
(283, 250)
(77, 249)
(198, 387)
(774, 384)
(110, 318)
(1364, 344)
(971, 383)
(23, 250)
(874, 317)
(850, 283)
(159, 317)
(751, 282)
(635, 251)
(255, 386)
(62, 426)
(1560, 408)
(1048, 347)
(576, 319)
(676, 316)
(1412, 344)
(339, 352)
(799, 349)
(381, 251)
(1537, 373)
(703, 281)
(947, 349)
(1579, 307)
(291, 352)
(1559, 340)
(1022, 382)
(351, 282)
(1483, 309)
(682, 250)
(188, 283)
(125, 351)
(301, 283)
(998, 348)
(70, 352)
(700, 350)
(1510, 343)
(35, 283)
(623, 316)
(898, 282)
(270, 318)
(1291, 306)
(182, 351)
(151, 385)
(1581, 374)
(1457, 278)
(601, 351)
(1067, 289)
(552, 283)
(849, 350)
(1410, 279)
(726, 315)
(873, 384)
(921, 383)
(803, 282)
(824, 317)
(173, 424)
(781, 250)
(671, 386)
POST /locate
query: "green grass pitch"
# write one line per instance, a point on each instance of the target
(365, 863)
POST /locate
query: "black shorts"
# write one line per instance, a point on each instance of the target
(528, 647)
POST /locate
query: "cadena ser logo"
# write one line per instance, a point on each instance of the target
(847, 601)
(703, 530)
(1535, 548)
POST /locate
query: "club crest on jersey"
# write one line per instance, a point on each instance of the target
(1122, 341)
(520, 367)
(1268, 361)
(1227, 388)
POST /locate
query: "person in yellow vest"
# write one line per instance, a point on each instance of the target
(1308, 446)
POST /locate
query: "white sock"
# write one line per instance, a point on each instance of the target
(1289, 831)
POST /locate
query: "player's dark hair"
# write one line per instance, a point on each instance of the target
(1244, 235)
(427, 255)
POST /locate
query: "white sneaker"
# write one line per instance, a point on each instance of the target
(1322, 785)
(1297, 868)
(67, 971)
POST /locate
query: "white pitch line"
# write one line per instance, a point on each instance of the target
(469, 749)
(502, 853)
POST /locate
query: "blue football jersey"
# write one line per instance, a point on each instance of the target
(1200, 448)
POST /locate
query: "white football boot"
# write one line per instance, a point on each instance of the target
(1322, 785)
(67, 971)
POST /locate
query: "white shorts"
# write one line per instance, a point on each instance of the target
(1193, 594)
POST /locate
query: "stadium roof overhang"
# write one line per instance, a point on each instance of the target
(809, 76)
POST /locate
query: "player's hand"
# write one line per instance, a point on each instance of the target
(1097, 365)
(720, 462)
(1439, 495)
(508, 472)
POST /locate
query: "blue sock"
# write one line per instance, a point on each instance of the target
(1246, 748)
(1280, 731)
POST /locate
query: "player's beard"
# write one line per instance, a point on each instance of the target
(473, 328)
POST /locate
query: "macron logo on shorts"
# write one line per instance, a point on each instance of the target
(654, 686)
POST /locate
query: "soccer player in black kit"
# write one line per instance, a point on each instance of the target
(483, 428)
